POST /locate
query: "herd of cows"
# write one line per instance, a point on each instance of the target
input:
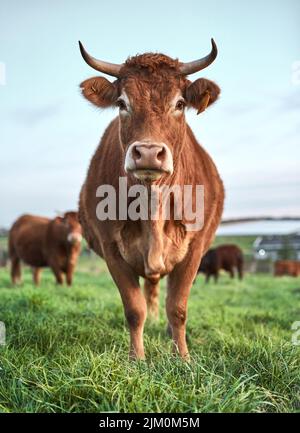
(41, 242)
(148, 143)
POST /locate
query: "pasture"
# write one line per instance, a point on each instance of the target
(66, 348)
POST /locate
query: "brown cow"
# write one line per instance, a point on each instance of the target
(150, 143)
(40, 242)
(227, 257)
(287, 267)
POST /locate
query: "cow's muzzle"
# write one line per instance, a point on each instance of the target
(148, 161)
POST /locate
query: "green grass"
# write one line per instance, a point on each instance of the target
(67, 348)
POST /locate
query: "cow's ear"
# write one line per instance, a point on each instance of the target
(202, 93)
(99, 91)
(58, 219)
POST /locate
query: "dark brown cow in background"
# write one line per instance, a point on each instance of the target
(151, 144)
(226, 257)
(287, 267)
(42, 242)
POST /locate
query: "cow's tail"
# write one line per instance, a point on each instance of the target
(240, 265)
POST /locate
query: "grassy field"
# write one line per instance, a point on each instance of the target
(66, 348)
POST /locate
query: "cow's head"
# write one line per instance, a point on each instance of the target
(152, 92)
(71, 225)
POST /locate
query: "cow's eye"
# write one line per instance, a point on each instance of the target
(121, 104)
(180, 105)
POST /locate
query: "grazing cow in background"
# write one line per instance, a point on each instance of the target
(287, 267)
(227, 257)
(42, 242)
(149, 143)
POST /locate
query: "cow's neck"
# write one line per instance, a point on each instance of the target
(156, 233)
(152, 232)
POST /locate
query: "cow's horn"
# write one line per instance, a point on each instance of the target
(105, 67)
(197, 65)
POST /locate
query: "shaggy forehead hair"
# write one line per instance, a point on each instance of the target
(152, 76)
(152, 61)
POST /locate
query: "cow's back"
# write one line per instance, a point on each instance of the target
(26, 239)
(229, 255)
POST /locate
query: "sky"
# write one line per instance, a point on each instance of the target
(48, 132)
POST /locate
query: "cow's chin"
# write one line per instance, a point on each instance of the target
(148, 175)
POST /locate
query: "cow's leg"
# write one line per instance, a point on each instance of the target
(180, 281)
(69, 273)
(207, 278)
(240, 269)
(58, 273)
(134, 301)
(216, 276)
(151, 290)
(15, 270)
(231, 272)
(36, 273)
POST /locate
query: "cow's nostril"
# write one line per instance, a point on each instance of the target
(161, 154)
(136, 153)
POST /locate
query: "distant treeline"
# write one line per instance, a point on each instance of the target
(261, 218)
(3, 232)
